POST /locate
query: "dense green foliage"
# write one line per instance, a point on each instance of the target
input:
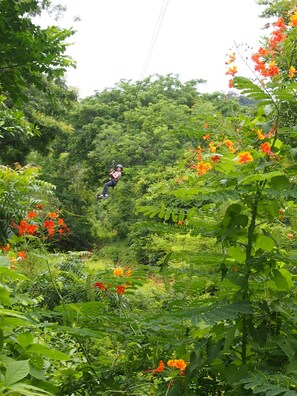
(183, 282)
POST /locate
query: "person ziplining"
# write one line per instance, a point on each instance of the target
(115, 177)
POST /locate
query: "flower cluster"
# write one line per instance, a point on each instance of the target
(179, 364)
(119, 289)
(232, 70)
(264, 59)
(36, 222)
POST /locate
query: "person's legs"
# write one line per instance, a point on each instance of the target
(106, 186)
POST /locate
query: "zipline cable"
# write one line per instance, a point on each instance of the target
(154, 38)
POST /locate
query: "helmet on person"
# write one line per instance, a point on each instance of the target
(120, 166)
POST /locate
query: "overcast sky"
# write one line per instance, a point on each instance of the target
(114, 36)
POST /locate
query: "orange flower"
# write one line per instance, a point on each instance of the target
(293, 19)
(6, 247)
(53, 215)
(232, 150)
(203, 167)
(22, 227)
(260, 134)
(118, 272)
(232, 71)
(171, 363)
(272, 69)
(128, 273)
(161, 367)
(231, 59)
(179, 222)
(31, 229)
(280, 23)
(120, 290)
(231, 83)
(22, 255)
(215, 158)
(32, 214)
(290, 236)
(177, 363)
(206, 137)
(245, 157)
(265, 147)
(228, 143)
(212, 147)
(180, 364)
(263, 51)
(292, 71)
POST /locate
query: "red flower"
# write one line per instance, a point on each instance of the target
(22, 227)
(215, 158)
(231, 83)
(32, 214)
(99, 285)
(6, 247)
(265, 147)
(120, 290)
(22, 255)
(31, 228)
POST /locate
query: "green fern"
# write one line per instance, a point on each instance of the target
(251, 90)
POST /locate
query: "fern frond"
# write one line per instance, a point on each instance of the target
(251, 90)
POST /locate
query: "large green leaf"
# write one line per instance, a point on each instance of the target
(16, 371)
(46, 351)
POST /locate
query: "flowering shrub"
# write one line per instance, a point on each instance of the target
(37, 229)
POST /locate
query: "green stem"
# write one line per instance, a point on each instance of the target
(245, 290)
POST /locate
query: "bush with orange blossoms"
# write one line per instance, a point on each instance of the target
(244, 157)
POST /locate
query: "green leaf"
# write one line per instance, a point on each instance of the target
(288, 346)
(237, 253)
(280, 183)
(16, 371)
(48, 352)
(28, 390)
(259, 177)
(251, 90)
(265, 243)
(25, 339)
(281, 281)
